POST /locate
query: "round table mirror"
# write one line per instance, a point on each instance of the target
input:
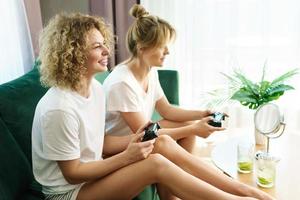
(269, 121)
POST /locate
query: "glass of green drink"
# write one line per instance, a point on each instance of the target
(265, 169)
(245, 152)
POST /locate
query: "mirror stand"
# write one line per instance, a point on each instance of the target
(276, 134)
(269, 122)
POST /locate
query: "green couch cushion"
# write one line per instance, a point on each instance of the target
(18, 100)
(169, 81)
(32, 195)
(149, 193)
(15, 170)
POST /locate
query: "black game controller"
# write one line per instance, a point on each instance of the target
(218, 118)
(151, 131)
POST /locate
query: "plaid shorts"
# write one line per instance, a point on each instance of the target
(70, 195)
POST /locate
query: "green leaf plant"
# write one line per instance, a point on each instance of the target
(253, 94)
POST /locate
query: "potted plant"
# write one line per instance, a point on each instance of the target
(249, 93)
(254, 94)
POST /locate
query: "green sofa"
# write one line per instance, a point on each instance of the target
(18, 99)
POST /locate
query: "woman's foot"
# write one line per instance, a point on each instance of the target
(259, 194)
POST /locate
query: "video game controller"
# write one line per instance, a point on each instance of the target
(151, 131)
(218, 118)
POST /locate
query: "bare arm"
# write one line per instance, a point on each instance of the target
(76, 172)
(136, 119)
(115, 144)
(173, 113)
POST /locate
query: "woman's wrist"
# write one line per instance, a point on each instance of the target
(125, 158)
(203, 113)
(206, 113)
(194, 129)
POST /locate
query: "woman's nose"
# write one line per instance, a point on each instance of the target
(105, 51)
(166, 52)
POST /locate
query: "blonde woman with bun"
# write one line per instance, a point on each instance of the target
(133, 92)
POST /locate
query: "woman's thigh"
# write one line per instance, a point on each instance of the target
(124, 183)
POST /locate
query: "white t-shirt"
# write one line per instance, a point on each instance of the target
(125, 94)
(66, 126)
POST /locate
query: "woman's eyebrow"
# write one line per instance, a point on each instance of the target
(99, 43)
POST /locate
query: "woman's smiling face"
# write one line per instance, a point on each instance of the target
(98, 53)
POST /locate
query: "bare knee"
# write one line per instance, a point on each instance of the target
(157, 160)
(164, 140)
(158, 163)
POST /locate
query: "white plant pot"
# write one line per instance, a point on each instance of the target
(260, 139)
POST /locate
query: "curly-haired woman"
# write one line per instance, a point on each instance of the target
(68, 130)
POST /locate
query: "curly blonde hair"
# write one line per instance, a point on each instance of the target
(63, 48)
(147, 30)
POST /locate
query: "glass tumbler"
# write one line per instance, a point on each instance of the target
(265, 169)
(245, 154)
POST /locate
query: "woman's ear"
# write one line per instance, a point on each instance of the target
(140, 50)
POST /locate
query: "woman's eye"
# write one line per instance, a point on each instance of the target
(100, 46)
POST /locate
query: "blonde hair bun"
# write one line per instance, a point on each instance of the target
(138, 11)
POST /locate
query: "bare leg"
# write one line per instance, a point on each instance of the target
(166, 146)
(188, 143)
(128, 181)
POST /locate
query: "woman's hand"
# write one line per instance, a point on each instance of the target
(203, 129)
(138, 150)
(206, 113)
